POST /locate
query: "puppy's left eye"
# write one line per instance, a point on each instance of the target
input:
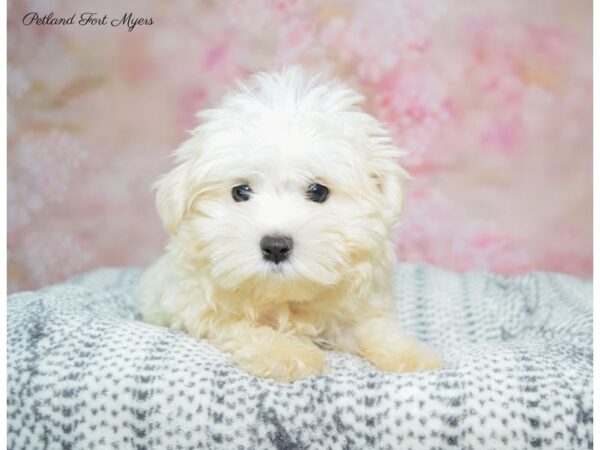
(241, 193)
(317, 193)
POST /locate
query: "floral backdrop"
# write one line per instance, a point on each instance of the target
(493, 99)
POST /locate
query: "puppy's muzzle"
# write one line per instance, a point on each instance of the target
(276, 248)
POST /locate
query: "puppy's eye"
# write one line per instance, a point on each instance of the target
(241, 193)
(317, 193)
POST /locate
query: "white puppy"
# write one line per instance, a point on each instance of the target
(280, 212)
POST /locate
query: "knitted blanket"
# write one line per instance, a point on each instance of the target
(85, 373)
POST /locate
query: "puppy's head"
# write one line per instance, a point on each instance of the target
(286, 183)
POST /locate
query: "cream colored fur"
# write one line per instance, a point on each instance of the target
(279, 133)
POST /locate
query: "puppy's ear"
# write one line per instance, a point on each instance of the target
(173, 192)
(388, 178)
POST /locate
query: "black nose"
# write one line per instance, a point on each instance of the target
(276, 248)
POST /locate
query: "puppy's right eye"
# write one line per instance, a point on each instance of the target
(241, 193)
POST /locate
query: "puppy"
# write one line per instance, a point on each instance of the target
(280, 211)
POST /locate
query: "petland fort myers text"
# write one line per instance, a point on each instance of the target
(127, 20)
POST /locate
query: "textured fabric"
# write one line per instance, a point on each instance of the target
(84, 373)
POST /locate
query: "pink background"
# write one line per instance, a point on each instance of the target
(492, 98)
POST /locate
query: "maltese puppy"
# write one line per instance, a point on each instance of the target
(280, 211)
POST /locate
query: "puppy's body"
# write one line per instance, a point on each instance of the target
(280, 213)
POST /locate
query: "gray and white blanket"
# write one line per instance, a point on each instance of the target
(83, 373)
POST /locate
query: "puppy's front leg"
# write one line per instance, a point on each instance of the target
(264, 352)
(380, 341)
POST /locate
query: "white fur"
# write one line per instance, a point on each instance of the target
(279, 133)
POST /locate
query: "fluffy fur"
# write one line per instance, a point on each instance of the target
(279, 133)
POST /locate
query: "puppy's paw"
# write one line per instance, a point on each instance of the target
(418, 358)
(412, 357)
(283, 361)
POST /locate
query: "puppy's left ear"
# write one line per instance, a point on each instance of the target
(388, 178)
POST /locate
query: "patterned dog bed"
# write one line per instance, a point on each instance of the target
(83, 373)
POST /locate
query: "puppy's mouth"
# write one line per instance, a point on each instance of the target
(278, 269)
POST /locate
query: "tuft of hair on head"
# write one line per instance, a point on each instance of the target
(296, 88)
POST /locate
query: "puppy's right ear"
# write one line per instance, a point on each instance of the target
(174, 196)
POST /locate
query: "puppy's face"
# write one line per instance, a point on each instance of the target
(286, 185)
